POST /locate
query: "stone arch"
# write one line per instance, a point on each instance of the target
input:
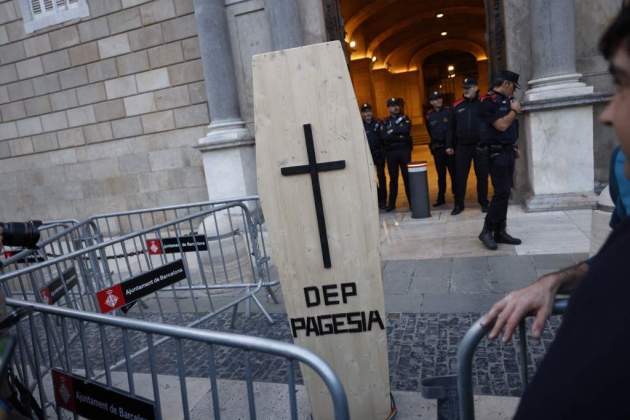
(364, 14)
(448, 44)
(410, 21)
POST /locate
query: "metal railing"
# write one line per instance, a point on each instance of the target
(218, 250)
(466, 352)
(34, 363)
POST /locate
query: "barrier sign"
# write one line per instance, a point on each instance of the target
(58, 286)
(174, 245)
(127, 292)
(94, 401)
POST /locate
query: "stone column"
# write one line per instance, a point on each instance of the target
(284, 19)
(559, 113)
(228, 148)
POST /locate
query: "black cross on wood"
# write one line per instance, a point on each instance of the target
(313, 168)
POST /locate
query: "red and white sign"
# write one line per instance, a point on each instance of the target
(110, 299)
(154, 246)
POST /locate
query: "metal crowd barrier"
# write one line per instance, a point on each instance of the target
(56, 237)
(189, 261)
(61, 373)
(118, 223)
(466, 352)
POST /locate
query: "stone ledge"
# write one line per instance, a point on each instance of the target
(565, 102)
(555, 202)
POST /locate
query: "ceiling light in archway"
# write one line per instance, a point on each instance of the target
(439, 15)
(353, 44)
(451, 67)
(444, 33)
(373, 59)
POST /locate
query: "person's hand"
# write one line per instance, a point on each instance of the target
(536, 299)
(517, 153)
(516, 106)
(450, 151)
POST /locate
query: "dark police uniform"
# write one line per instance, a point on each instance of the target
(373, 131)
(396, 136)
(501, 147)
(464, 139)
(438, 122)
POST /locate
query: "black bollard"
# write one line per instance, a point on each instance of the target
(419, 190)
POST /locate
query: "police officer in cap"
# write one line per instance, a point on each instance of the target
(463, 140)
(438, 123)
(499, 133)
(373, 129)
(396, 136)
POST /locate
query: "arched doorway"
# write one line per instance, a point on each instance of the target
(403, 48)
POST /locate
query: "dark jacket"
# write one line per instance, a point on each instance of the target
(438, 123)
(464, 128)
(585, 373)
(396, 133)
(493, 107)
(373, 131)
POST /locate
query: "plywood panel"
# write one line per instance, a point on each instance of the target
(311, 85)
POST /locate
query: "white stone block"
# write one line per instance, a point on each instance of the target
(8, 131)
(81, 116)
(4, 95)
(166, 159)
(140, 104)
(30, 68)
(54, 121)
(23, 146)
(123, 86)
(152, 80)
(159, 121)
(29, 126)
(114, 45)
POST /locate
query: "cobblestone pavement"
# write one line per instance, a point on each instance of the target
(420, 345)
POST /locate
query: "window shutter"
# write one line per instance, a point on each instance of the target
(42, 13)
(36, 7)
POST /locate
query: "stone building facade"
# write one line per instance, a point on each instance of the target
(149, 102)
(101, 113)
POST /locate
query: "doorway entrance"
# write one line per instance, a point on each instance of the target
(408, 48)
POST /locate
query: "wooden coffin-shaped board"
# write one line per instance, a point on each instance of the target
(335, 305)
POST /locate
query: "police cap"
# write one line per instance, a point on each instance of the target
(510, 76)
(469, 82)
(366, 107)
(435, 95)
(393, 101)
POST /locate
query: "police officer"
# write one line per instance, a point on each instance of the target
(438, 122)
(373, 129)
(499, 133)
(463, 140)
(396, 136)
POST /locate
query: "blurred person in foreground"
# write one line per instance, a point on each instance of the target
(585, 374)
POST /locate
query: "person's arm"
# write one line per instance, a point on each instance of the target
(403, 128)
(506, 121)
(536, 299)
(450, 135)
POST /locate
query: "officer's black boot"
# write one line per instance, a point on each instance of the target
(440, 201)
(487, 238)
(502, 237)
(457, 209)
